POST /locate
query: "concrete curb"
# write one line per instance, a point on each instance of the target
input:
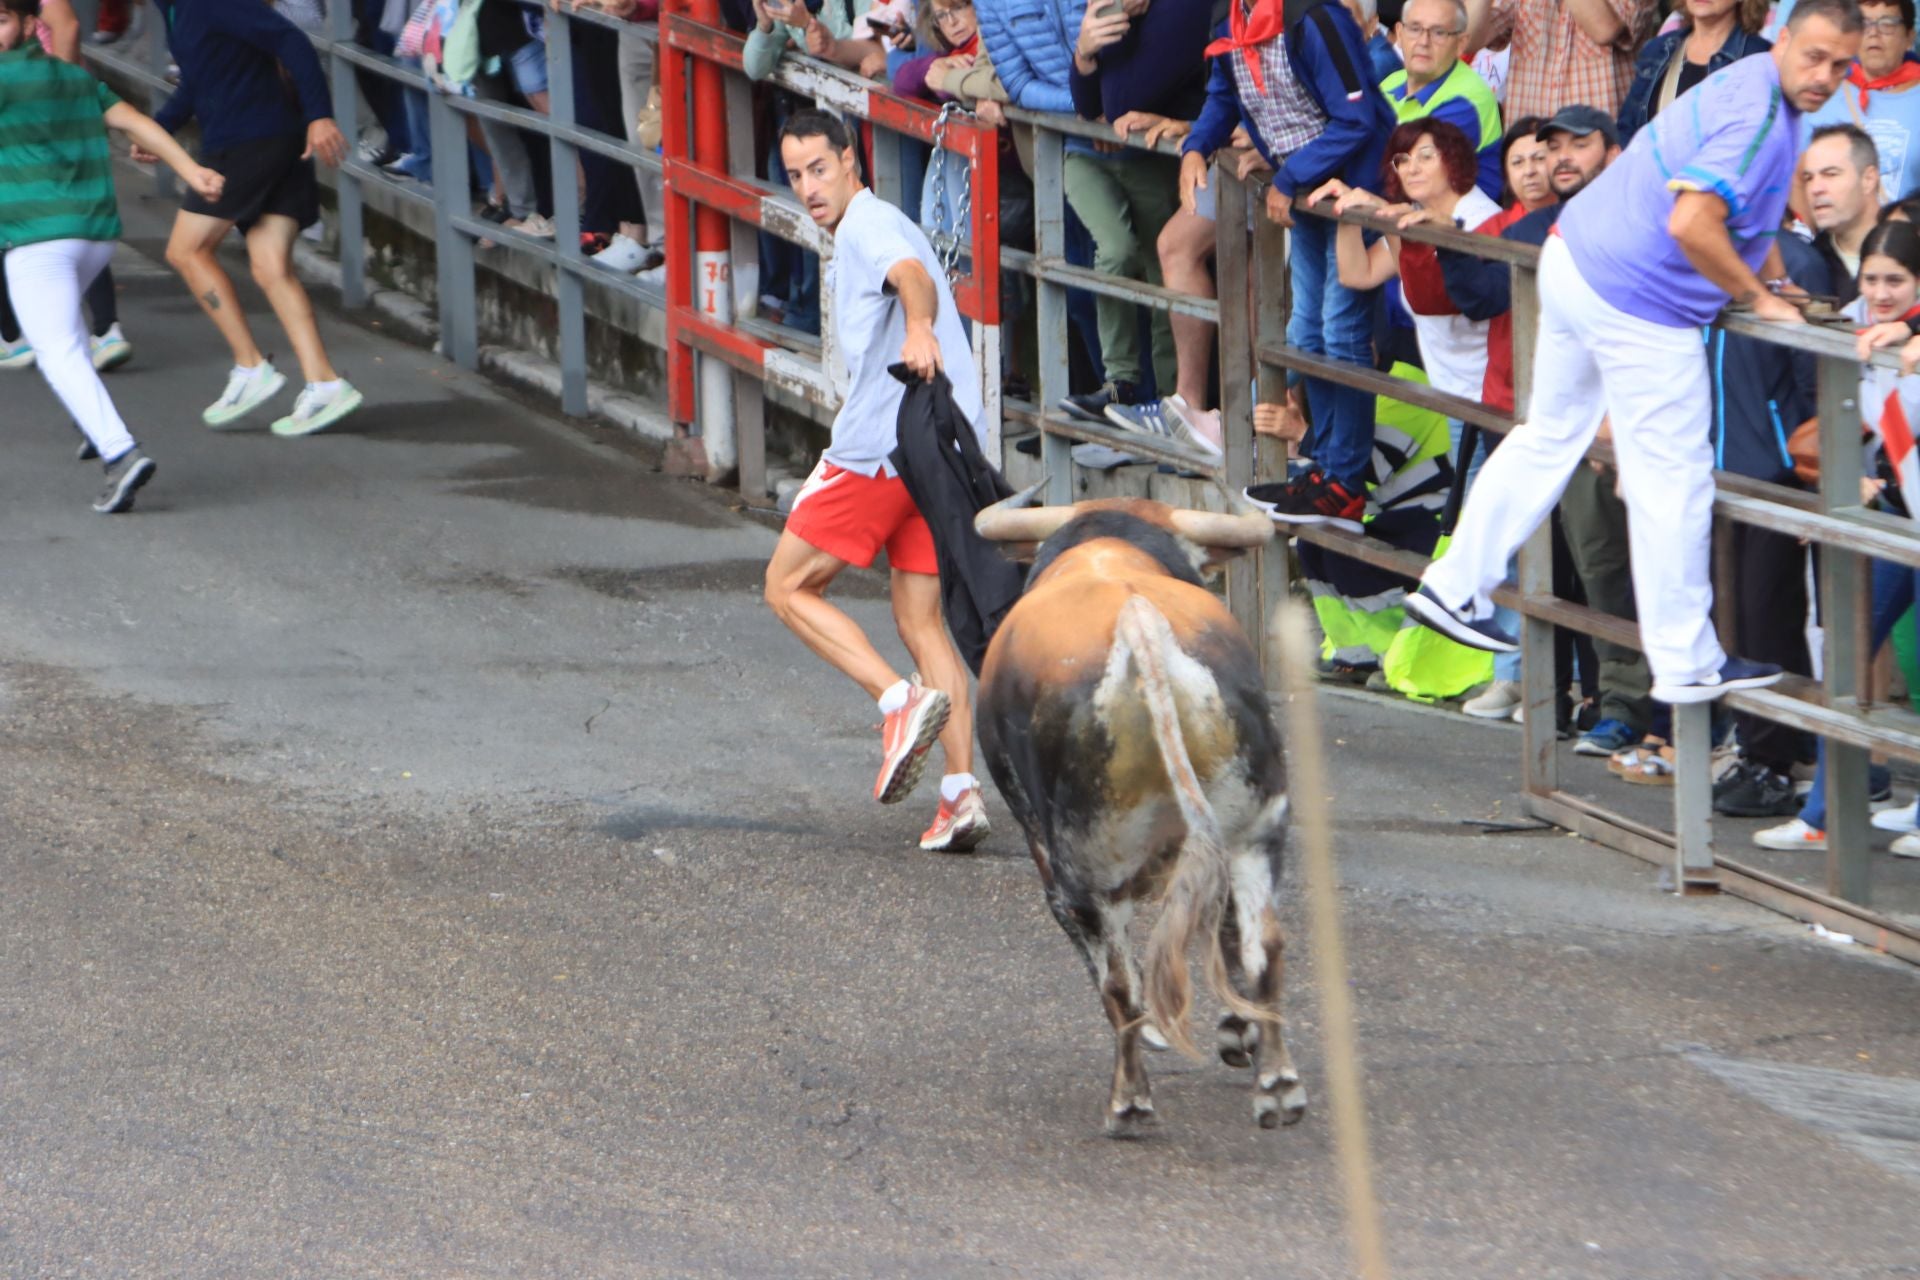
(522, 369)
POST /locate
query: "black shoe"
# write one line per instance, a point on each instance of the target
(1429, 610)
(1735, 673)
(125, 474)
(1310, 499)
(1092, 407)
(1751, 790)
(1334, 671)
(498, 214)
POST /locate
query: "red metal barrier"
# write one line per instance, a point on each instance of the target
(702, 195)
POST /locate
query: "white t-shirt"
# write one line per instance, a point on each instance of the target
(871, 325)
(1452, 347)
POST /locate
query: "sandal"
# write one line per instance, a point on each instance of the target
(1628, 758)
(1655, 768)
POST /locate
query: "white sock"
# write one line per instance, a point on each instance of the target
(895, 697)
(325, 388)
(257, 371)
(955, 785)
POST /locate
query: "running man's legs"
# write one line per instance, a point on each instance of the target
(797, 579)
(1524, 478)
(193, 250)
(923, 629)
(47, 280)
(270, 253)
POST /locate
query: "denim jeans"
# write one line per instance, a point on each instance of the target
(1894, 592)
(1334, 321)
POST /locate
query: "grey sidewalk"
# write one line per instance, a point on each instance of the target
(422, 855)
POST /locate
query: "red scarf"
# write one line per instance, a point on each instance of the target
(1908, 72)
(1250, 31)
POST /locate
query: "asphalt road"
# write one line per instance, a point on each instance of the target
(421, 855)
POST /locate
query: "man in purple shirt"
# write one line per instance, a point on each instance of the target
(1643, 257)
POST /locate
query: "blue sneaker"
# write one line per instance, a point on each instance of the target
(1735, 673)
(1604, 739)
(1427, 609)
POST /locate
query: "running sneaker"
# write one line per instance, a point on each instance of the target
(1092, 407)
(125, 475)
(1792, 834)
(623, 254)
(1314, 499)
(1735, 673)
(537, 225)
(1605, 738)
(110, 349)
(1161, 418)
(247, 390)
(316, 409)
(1430, 611)
(1498, 701)
(17, 354)
(958, 827)
(905, 739)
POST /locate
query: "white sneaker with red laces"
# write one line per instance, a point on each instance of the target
(959, 827)
(905, 738)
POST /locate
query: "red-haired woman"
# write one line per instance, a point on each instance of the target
(1430, 166)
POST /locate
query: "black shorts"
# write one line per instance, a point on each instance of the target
(264, 175)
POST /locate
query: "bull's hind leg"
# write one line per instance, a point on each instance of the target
(1099, 930)
(1255, 953)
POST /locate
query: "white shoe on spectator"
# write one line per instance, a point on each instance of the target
(537, 225)
(655, 276)
(623, 254)
(1907, 846)
(1898, 820)
(1497, 701)
(1792, 834)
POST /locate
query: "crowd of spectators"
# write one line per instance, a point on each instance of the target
(1487, 115)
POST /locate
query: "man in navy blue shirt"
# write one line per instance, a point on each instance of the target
(262, 129)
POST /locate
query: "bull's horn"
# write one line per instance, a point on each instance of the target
(1246, 527)
(1014, 519)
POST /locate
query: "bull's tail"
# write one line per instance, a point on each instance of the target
(1201, 883)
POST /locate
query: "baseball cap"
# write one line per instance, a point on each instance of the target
(1580, 120)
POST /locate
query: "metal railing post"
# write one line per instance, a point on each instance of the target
(1693, 869)
(1270, 300)
(568, 288)
(1539, 733)
(1843, 576)
(749, 392)
(349, 199)
(453, 254)
(1050, 301)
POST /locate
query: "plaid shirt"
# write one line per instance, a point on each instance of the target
(1555, 64)
(1286, 117)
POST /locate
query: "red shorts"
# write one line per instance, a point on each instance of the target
(851, 517)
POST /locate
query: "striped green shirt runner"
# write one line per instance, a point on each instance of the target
(56, 171)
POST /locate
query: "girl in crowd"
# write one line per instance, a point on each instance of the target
(1890, 408)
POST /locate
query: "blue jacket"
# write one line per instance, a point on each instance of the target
(1386, 60)
(1483, 289)
(1330, 60)
(1759, 397)
(1651, 66)
(1031, 44)
(230, 54)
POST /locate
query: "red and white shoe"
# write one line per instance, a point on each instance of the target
(958, 827)
(905, 739)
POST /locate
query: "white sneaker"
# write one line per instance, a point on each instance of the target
(656, 276)
(111, 349)
(316, 409)
(537, 225)
(16, 355)
(623, 254)
(1495, 702)
(1897, 819)
(1907, 846)
(1792, 834)
(247, 390)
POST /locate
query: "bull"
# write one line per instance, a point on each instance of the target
(1124, 718)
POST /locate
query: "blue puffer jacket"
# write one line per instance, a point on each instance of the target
(1651, 65)
(1330, 60)
(1031, 44)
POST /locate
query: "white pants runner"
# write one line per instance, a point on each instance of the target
(46, 282)
(1593, 360)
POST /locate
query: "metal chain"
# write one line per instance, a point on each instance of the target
(948, 250)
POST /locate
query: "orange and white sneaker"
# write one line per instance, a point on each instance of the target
(958, 827)
(905, 739)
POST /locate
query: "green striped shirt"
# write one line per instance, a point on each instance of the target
(56, 171)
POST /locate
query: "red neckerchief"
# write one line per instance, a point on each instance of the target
(1912, 311)
(1249, 31)
(1908, 72)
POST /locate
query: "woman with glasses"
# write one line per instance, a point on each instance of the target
(1711, 34)
(1879, 96)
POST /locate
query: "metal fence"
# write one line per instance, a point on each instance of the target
(717, 204)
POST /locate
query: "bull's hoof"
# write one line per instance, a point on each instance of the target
(1237, 1039)
(1131, 1120)
(1286, 1106)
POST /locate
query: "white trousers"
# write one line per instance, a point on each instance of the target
(1592, 360)
(46, 282)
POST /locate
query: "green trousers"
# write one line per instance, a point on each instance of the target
(1595, 522)
(1125, 199)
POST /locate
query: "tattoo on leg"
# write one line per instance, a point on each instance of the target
(212, 299)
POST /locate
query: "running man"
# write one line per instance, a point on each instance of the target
(264, 140)
(1641, 259)
(59, 222)
(891, 303)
